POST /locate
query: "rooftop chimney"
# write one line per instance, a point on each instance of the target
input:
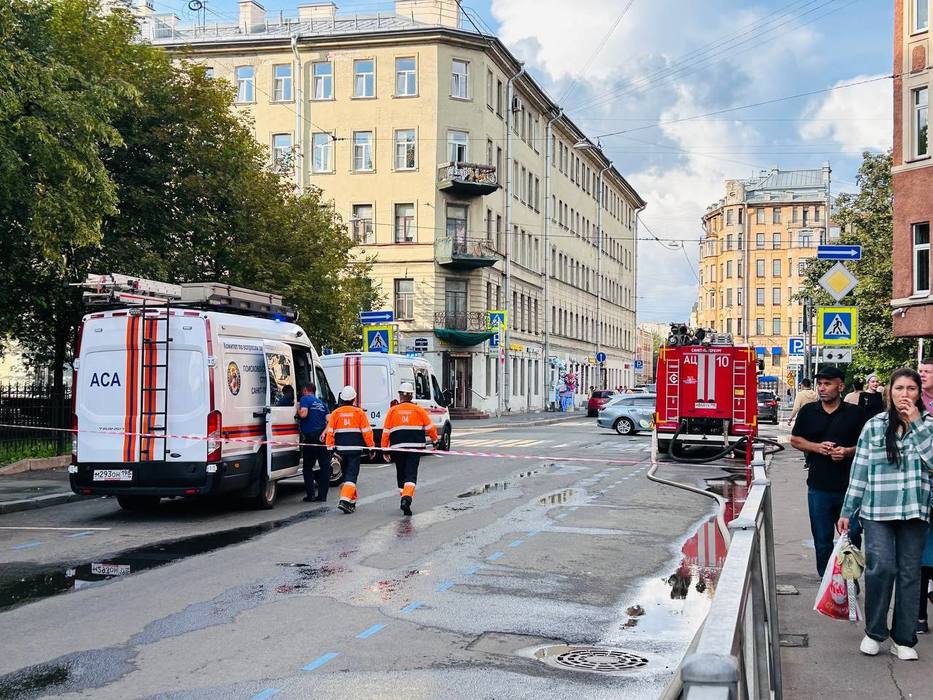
(317, 10)
(252, 17)
(444, 13)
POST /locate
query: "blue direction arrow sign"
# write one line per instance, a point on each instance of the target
(371, 318)
(839, 252)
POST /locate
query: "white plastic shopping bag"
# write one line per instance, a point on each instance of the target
(836, 597)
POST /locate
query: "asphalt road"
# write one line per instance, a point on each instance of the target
(501, 559)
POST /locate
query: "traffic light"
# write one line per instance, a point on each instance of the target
(761, 365)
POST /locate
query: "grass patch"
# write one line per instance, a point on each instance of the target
(10, 453)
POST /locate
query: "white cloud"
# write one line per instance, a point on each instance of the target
(857, 118)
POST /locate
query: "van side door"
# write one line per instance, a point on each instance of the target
(281, 426)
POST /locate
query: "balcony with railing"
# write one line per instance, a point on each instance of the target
(460, 253)
(460, 320)
(467, 179)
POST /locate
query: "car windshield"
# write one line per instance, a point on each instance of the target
(765, 395)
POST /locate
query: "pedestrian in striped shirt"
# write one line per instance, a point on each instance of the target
(889, 489)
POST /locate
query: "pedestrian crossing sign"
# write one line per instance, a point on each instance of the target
(837, 325)
(377, 339)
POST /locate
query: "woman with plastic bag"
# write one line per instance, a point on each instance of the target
(889, 488)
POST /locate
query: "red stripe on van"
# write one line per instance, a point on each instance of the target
(132, 366)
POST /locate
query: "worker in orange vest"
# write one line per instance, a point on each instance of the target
(348, 432)
(406, 425)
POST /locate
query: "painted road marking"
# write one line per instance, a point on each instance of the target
(445, 586)
(63, 529)
(562, 516)
(472, 570)
(574, 508)
(516, 543)
(86, 533)
(533, 533)
(411, 607)
(26, 545)
(321, 660)
(496, 555)
(366, 634)
(265, 694)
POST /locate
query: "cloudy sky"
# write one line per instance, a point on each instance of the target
(636, 66)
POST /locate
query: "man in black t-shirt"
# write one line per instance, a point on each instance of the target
(827, 431)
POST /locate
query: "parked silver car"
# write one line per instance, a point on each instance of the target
(627, 413)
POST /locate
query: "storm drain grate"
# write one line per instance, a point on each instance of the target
(598, 659)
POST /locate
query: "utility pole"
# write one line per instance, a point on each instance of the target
(506, 389)
(299, 142)
(808, 338)
(599, 273)
(548, 215)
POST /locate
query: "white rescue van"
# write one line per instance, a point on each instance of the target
(170, 376)
(376, 377)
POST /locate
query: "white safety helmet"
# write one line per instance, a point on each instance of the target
(406, 388)
(348, 393)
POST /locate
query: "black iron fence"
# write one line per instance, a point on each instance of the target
(33, 405)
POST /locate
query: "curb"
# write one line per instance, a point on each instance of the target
(34, 465)
(54, 499)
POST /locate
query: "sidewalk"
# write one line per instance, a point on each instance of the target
(36, 489)
(520, 420)
(829, 664)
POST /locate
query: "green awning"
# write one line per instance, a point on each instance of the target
(463, 338)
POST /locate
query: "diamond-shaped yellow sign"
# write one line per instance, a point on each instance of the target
(838, 281)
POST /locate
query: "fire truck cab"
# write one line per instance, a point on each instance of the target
(706, 391)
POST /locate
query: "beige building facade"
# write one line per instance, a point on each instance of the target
(757, 242)
(457, 175)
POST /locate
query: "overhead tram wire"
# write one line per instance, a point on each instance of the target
(661, 79)
(568, 91)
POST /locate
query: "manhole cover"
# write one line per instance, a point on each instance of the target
(599, 659)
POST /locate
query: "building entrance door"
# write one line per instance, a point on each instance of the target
(461, 380)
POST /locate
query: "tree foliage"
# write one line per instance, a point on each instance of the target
(865, 218)
(115, 159)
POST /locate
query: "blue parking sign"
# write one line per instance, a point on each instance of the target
(795, 346)
(639, 364)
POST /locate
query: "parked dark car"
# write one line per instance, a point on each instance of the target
(597, 400)
(767, 407)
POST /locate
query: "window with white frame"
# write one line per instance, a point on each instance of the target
(282, 151)
(460, 79)
(404, 223)
(323, 75)
(805, 239)
(363, 151)
(776, 268)
(759, 239)
(776, 238)
(759, 268)
(364, 78)
(776, 326)
(921, 241)
(322, 153)
(406, 77)
(921, 15)
(282, 82)
(776, 215)
(920, 103)
(457, 222)
(759, 216)
(759, 326)
(245, 83)
(776, 296)
(405, 149)
(404, 299)
(458, 146)
(760, 296)
(361, 224)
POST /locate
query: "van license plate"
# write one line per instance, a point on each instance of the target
(113, 475)
(107, 569)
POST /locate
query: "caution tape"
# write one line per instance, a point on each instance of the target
(293, 443)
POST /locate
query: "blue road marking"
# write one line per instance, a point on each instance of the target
(445, 586)
(574, 508)
(495, 555)
(533, 533)
(26, 545)
(265, 694)
(472, 570)
(411, 607)
(515, 543)
(88, 533)
(320, 661)
(366, 634)
(561, 516)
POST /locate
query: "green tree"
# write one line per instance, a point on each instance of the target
(865, 218)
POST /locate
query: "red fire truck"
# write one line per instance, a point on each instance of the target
(706, 394)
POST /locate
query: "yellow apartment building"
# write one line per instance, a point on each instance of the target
(457, 174)
(757, 241)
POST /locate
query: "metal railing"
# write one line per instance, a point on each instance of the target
(33, 405)
(477, 173)
(460, 247)
(737, 654)
(460, 320)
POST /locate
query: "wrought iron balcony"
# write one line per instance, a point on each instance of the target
(465, 253)
(460, 320)
(468, 179)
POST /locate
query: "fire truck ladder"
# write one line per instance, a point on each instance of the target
(740, 403)
(153, 379)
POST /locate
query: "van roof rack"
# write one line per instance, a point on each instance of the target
(124, 290)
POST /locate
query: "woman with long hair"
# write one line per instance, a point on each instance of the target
(889, 488)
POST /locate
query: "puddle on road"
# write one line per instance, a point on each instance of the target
(33, 681)
(495, 485)
(557, 498)
(15, 590)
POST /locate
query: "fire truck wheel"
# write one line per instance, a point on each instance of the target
(624, 426)
(138, 502)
